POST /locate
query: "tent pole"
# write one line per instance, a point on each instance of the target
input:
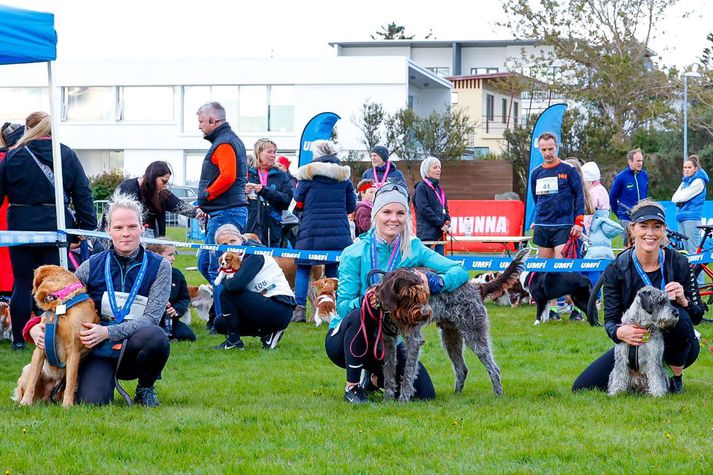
(57, 164)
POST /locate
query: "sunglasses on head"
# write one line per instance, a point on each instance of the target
(392, 187)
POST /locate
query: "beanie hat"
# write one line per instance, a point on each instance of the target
(381, 151)
(284, 161)
(590, 172)
(387, 194)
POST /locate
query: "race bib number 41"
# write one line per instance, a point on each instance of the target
(546, 186)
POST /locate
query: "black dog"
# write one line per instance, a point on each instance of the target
(545, 286)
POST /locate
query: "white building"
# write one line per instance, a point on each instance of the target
(126, 114)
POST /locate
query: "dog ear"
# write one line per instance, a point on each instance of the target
(319, 284)
(647, 301)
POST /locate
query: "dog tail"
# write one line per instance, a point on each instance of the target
(498, 286)
(592, 312)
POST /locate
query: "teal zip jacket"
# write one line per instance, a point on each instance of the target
(355, 265)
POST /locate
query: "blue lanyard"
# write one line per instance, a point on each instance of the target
(393, 260)
(120, 313)
(643, 274)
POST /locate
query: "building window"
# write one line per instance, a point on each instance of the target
(454, 98)
(146, 104)
(19, 102)
(89, 104)
(196, 96)
(194, 162)
(504, 103)
(282, 109)
(253, 109)
(95, 162)
(488, 70)
(440, 71)
(489, 107)
(515, 112)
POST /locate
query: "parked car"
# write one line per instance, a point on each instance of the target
(186, 193)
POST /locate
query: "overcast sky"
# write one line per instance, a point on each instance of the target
(97, 29)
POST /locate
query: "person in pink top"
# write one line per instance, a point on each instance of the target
(598, 195)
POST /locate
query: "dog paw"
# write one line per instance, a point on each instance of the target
(389, 395)
(404, 398)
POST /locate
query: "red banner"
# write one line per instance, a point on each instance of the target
(481, 218)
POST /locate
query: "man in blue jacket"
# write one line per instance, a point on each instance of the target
(629, 187)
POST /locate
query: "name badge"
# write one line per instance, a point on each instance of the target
(137, 309)
(546, 186)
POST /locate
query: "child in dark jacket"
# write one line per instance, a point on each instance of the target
(178, 301)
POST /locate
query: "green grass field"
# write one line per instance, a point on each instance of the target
(282, 411)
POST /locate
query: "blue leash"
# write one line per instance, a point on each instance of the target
(51, 330)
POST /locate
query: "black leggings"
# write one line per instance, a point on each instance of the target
(347, 341)
(145, 356)
(247, 313)
(681, 348)
(24, 260)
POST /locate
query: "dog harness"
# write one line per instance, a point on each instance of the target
(633, 358)
(51, 323)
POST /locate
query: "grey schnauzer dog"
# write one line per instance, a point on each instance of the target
(461, 318)
(640, 368)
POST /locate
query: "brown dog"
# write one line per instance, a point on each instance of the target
(5, 321)
(38, 379)
(201, 299)
(325, 299)
(228, 265)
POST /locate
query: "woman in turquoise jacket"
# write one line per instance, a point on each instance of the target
(352, 342)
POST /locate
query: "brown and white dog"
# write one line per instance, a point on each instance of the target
(228, 265)
(54, 286)
(5, 321)
(324, 299)
(201, 299)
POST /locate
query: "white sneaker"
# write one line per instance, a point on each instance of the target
(537, 322)
(269, 342)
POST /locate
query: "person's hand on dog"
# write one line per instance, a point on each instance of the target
(675, 293)
(93, 335)
(632, 334)
(37, 333)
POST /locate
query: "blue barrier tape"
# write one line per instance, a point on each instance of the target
(474, 263)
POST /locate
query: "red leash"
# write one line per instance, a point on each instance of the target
(366, 309)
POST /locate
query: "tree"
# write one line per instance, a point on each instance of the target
(392, 31)
(445, 135)
(369, 121)
(602, 47)
(400, 136)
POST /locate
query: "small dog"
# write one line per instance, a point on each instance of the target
(640, 368)
(545, 286)
(5, 321)
(461, 318)
(201, 299)
(54, 286)
(228, 263)
(324, 299)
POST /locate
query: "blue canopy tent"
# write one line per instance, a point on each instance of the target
(29, 37)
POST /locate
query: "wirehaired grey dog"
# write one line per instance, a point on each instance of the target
(461, 318)
(640, 368)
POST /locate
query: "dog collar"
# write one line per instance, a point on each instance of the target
(61, 294)
(227, 270)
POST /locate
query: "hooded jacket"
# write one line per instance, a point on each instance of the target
(31, 197)
(601, 231)
(690, 208)
(325, 195)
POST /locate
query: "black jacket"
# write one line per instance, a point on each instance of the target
(265, 213)
(179, 297)
(430, 214)
(156, 221)
(31, 197)
(622, 282)
(234, 196)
